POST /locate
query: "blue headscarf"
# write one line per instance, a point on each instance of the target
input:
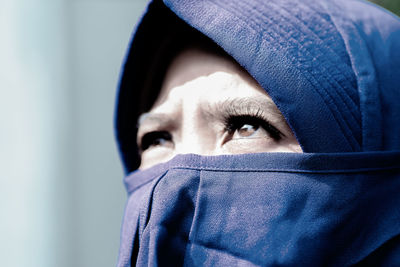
(333, 70)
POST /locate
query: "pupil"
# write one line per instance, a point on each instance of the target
(247, 130)
(159, 142)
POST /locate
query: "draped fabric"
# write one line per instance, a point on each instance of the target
(268, 209)
(333, 69)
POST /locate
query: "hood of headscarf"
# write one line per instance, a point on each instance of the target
(333, 69)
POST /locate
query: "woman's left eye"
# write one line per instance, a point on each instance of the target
(247, 130)
(245, 126)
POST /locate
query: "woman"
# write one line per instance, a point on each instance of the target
(291, 111)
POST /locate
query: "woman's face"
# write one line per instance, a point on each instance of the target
(209, 105)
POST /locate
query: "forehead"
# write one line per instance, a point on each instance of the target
(197, 72)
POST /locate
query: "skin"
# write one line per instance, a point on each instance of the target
(200, 95)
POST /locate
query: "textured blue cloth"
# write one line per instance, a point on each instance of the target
(271, 209)
(333, 69)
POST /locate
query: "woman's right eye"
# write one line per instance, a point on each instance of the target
(155, 139)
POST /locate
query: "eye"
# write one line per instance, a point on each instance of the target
(248, 126)
(155, 139)
(247, 130)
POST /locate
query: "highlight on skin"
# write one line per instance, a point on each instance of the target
(209, 105)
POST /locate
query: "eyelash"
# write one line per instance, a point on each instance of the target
(235, 121)
(149, 139)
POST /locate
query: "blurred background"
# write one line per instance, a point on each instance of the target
(61, 190)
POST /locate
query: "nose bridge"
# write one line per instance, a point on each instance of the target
(191, 144)
(187, 149)
(196, 137)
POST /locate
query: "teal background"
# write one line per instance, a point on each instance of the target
(61, 191)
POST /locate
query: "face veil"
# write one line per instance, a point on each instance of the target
(332, 68)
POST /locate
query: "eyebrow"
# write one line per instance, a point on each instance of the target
(218, 111)
(242, 106)
(156, 118)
